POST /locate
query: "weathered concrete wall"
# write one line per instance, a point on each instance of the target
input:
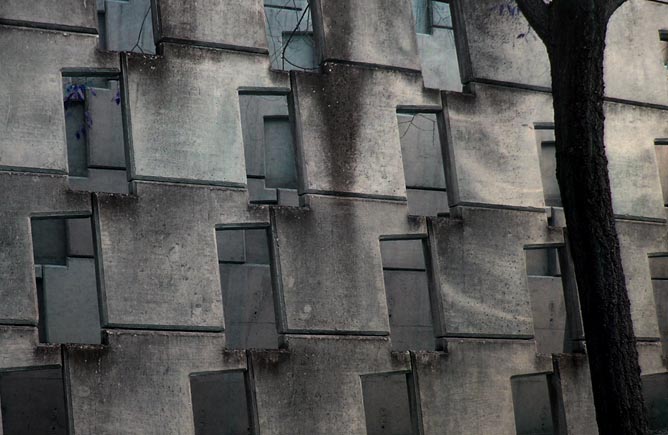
(351, 248)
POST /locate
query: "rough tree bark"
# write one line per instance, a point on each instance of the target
(574, 33)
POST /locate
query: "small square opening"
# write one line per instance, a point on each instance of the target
(33, 402)
(126, 25)
(220, 403)
(389, 404)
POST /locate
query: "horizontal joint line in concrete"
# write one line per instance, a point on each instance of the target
(648, 339)
(213, 45)
(287, 7)
(624, 217)
(317, 332)
(168, 328)
(636, 103)
(430, 189)
(404, 269)
(18, 322)
(354, 195)
(372, 66)
(521, 337)
(151, 179)
(499, 207)
(28, 170)
(512, 85)
(30, 368)
(246, 90)
(49, 26)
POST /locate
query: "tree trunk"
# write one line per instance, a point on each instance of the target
(576, 46)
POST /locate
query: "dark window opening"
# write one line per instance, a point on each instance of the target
(554, 300)
(290, 35)
(66, 281)
(246, 280)
(269, 149)
(532, 403)
(407, 282)
(126, 25)
(548, 163)
(389, 404)
(661, 148)
(424, 167)
(33, 402)
(654, 389)
(221, 403)
(658, 266)
(430, 15)
(95, 134)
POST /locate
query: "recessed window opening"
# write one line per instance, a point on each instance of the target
(661, 149)
(658, 266)
(290, 35)
(221, 404)
(424, 167)
(545, 143)
(244, 259)
(554, 300)
(532, 404)
(126, 25)
(269, 149)
(33, 402)
(66, 280)
(430, 14)
(94, 132)
(389, 404)
(654, 389)
(407, 285)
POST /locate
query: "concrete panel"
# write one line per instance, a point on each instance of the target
(571, 372)
(403, 254)
(650, 358)
(662, 164)
(226, 23)
(79, 237)
(531, 403)
(22, 196)
(468, 389)
(220, 404)
(314, 387)
(33, 132)
(158, 253)
(330, 263)
(630, 132)
(76, 14)
(140, 380)
(482, 270)
(637, 240)
(71, 310)
(654, 392)
(102, 180)
(427, 202)
(635, 56)
(365, 156)
(379, 32)
(20, 348)
(498, 44)
(438, 55)
(492, 145)
(201, 142)
(387, 404)
(660, 287)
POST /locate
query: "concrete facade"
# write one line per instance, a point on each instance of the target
(195, 241)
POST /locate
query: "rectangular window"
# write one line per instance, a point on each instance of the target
(269, 149)
(424, 167)
(290, 35)
(389, 404)
(654, 389)
(66, 280)
(220, 403)
(95, 135)
(245, 270)
(661, 148)
(658, 266)
(408, 295)
(33, 402)
(548, 163)
(554, 300)
(126, 25)
(532, 405)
